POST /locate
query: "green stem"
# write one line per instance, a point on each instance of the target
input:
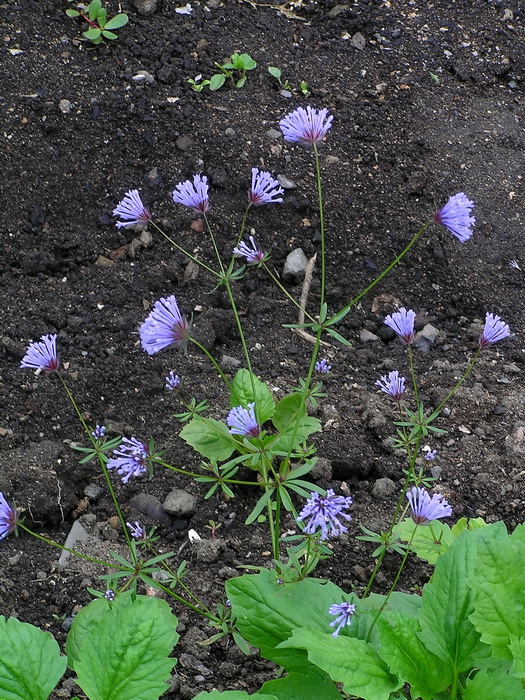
(213, 361)
(460, 382)
(185, 252)
(380, 277)
(277, 282)
(413, 375)
(193, 475)
(321, 223)
(67, 549)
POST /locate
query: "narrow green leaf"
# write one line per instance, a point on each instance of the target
(30, 661)
(409, 659)
(217, 81)
(338, 336)
(498, 582)
(244, 392)
(135, 641)
(489, 686)
(259, 506)
(72, 13)
(446, 629)
(117, 22)
(92, 34)
(210, 438)
(349, 661)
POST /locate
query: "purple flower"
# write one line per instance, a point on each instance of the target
(136, 531)
(109, 595)
(172, 381)
(132, 210)
(344, 612)
(193, 194)
(322, 367)
(324, 512)
(242, 421)
(42, 356)
(402, 322)
(455, 216)
(265, 189)
(307, 126)
(165, 326)
(392, 384)
(253, 254)
(8, 518)
(99, 432)
(430, 455)
(424, 509)
(495, 329)
(130, 459)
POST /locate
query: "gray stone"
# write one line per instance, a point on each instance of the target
(426, 337)
(149, 505)
(230, 363)
(515, 443)
(367, 336)
(208, 551)
(230, 132)
(295, 266)
(145, 7)
(180, 503)
(65, 106)
(384, 489)
(274, 134)
(286, 182)
(143, 76)
(184, 143)
(76, 534)
(93, 492)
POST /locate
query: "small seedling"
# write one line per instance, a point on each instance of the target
(95, 15)
(284, 84)
(213, 526)
(235, 69)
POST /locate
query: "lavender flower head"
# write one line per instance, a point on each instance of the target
(164, 326)
(172, 381)
(136, 531)
(130, 459)
(322, 367)
(495, 329)
(455, 216)
(110, 595)
(402, 322)
(42, 355)
(99, 432)
(242, 421)
(253, 254)
(265, 189)
(430, 455)
(193, 194)
(8, 518)
(344, 612)
(425, 509)
(132, 210)
(392, 384)
(307, 126)
(324, 512)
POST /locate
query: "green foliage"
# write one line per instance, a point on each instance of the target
(120, 651)
(95, 14)
(234, 70)
(210, 438)
(234, 695)
(246, 389)
(30, 661)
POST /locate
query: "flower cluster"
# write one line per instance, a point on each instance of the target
(253, 254)
(425, 509)
(42, 355)
(99, 432)
(402, 322)
(164, 326)
(172, 381)
(344, 612)
(193, 194)
(324, 513)
(242, 421)
(265, 189)
(495, 329)
(455, 216)
(132, 210)
(307, 126)
(8, 518)
(392, 384)
(130, 459)
(136, 530)
(322, 367)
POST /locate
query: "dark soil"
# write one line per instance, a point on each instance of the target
(427, 99)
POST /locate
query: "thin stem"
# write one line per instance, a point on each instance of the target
(157, 584)
(385, 272)
(413, 375)
(460, 382)
(277, 282)
(213, 361)
(321, 222)
(67, 549)
(184, 251)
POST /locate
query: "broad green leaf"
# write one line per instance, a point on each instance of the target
(243, 393)
(467, 524)
(288, 412)
(217, 81)
(517, 649)
(210, 438)
(446, 629)
(429, 541)
(349, 661)
(304, 686)
(267, 612)
(117, 22)
(519, 533)
(247, 61)
(72, 13)
(109, 35)
(125, 654)
(232, 695)
(367, 609)
(493, 686)
(498, 582)
(93, 9)
(276, 72)
(30, 661)
(408, 658)
(92, 34)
